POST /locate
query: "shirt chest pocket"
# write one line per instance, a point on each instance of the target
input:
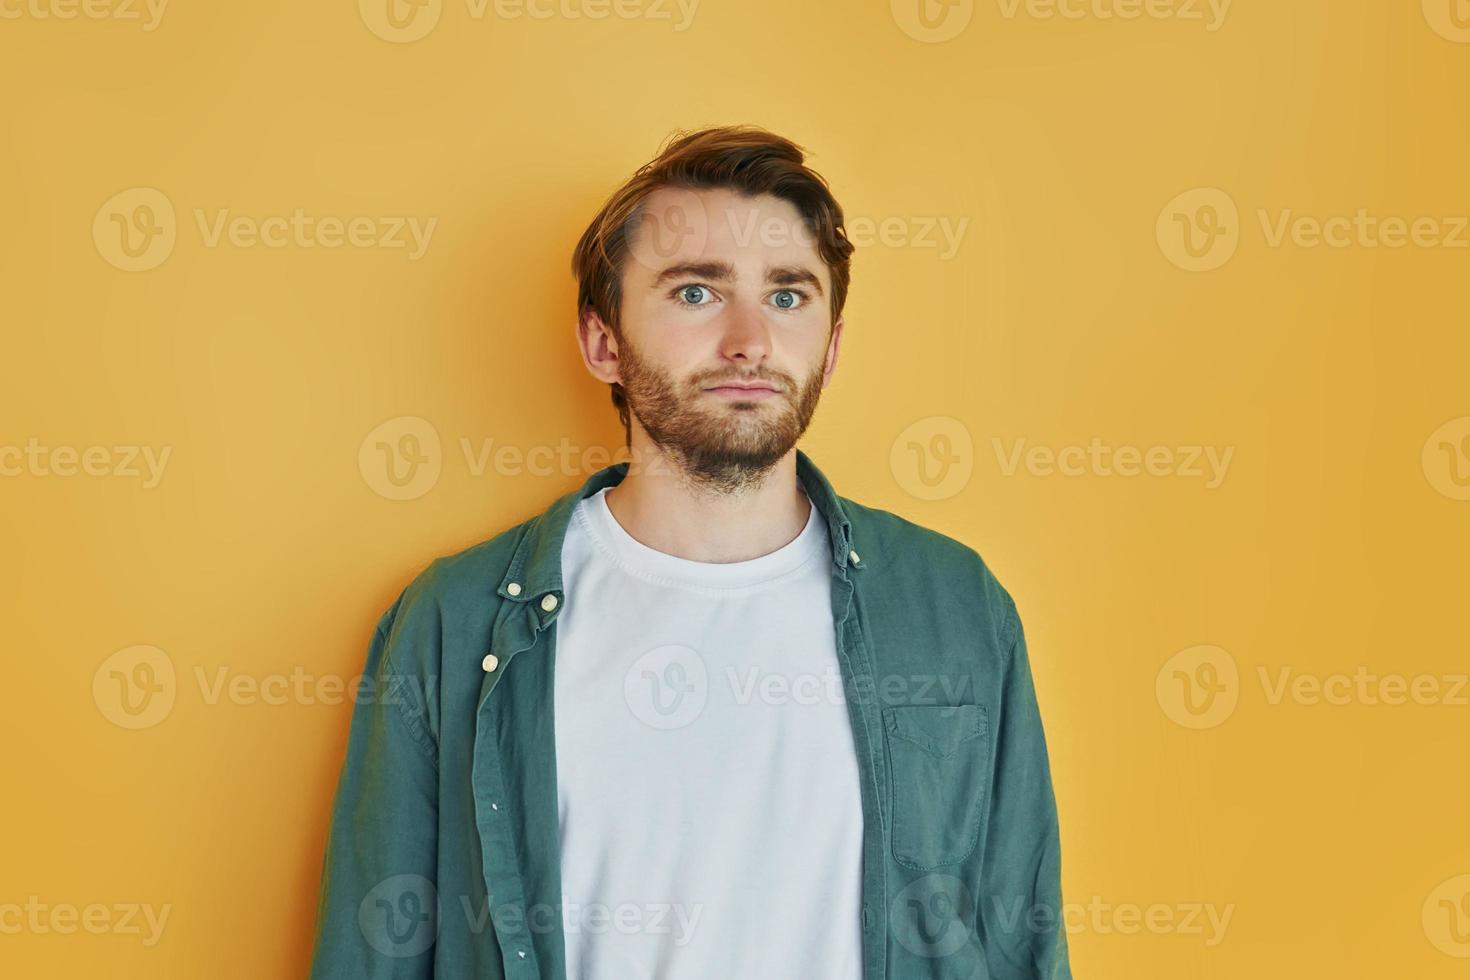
(938, 771)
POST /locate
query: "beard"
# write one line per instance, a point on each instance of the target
(719, 444)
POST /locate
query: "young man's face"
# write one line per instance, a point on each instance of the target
(721, 289)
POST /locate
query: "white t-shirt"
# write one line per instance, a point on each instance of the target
(711, 822)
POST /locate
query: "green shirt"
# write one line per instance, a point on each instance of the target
(442, 856)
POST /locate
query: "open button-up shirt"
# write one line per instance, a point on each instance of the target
(442, 856)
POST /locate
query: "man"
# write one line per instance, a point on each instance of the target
(702, 718)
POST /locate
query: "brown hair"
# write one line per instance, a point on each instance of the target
(746, 159)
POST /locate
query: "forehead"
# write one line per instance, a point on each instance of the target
(677, 225)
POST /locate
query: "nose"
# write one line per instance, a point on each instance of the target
(746, 336)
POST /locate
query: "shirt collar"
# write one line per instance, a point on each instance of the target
(535, 568)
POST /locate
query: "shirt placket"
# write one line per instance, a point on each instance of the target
(857, 682)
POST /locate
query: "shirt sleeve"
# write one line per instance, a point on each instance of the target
(1020, 919)
(377, 914)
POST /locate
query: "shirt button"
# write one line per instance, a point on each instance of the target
(853, 556)
(514, 588)
(868, 917)
(549, 602)
(490, 662)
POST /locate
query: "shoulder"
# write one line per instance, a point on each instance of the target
(450, 592)
(907, 557)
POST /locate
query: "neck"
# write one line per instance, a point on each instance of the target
(661, 507)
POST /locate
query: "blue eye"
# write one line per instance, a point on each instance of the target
(691, 295)
(787, 299)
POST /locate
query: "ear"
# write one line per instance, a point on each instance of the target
(598, 345)
(833, 345)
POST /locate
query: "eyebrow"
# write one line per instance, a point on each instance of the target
(776, 275)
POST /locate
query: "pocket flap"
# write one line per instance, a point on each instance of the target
(941, 729)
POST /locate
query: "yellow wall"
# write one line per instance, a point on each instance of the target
(1064, 156)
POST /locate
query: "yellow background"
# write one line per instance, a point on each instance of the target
(1334, 542)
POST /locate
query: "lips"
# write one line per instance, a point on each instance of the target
(741, 387)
